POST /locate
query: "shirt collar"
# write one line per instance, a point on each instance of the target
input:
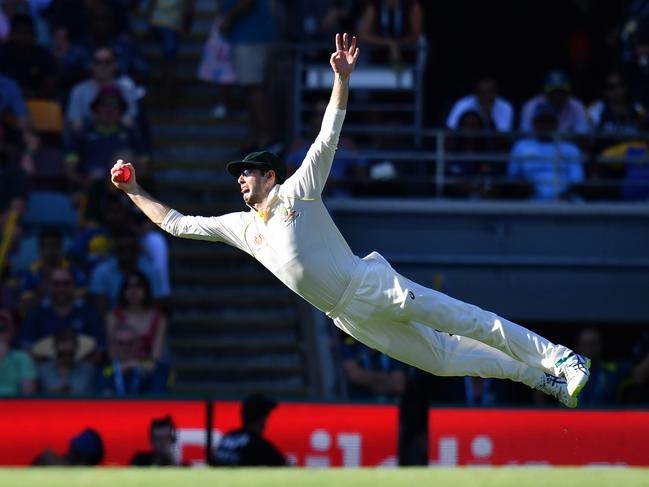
(270, 202)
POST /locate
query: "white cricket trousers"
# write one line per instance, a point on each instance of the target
(437, 333)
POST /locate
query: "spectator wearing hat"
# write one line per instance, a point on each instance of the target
(496, 112)
(103, 67)
(17, 370)
(85, 449)
(246, 446)
(550, 166)
(93, 149)
(66, 372)
(570, 111)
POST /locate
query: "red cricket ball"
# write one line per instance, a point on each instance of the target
(123, 174)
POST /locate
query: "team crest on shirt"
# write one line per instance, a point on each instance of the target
(288, 215)
(259, 239)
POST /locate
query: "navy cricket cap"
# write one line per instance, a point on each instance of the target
(259, 160)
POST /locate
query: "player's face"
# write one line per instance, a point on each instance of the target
(253, 184)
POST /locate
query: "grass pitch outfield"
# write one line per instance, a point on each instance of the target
(455, 477)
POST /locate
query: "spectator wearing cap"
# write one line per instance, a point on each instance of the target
(570, 111)
(104, 72)
(17, 370)
(85, 449)
(550, 166)
(246, 446)
(66, 372)
(93, 149)
(495, 111)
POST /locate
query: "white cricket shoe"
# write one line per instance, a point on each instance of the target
(557, 387)
(574, 368)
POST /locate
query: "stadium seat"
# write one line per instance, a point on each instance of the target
(45, 115)
(26, 254)
(45, 208)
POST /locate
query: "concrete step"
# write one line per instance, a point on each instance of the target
(220, 277)
(294, 388)
(212, 156)
(209, 324)
(240, 296)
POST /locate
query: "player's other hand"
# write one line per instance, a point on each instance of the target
(117, 173)
(344, 58)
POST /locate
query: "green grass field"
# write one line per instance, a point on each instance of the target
(456, 477)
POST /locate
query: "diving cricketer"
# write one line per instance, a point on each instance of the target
(288, 229)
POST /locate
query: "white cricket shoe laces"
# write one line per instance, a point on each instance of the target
(557, 387)
(574, 368)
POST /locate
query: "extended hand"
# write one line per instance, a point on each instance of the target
(344, 59)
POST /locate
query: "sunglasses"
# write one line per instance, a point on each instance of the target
(104, 61)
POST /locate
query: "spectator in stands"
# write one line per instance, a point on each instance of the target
(66, 372)
(14, 185)
(62, 309)
(571, 113)
(137, 309)
(246, 446)
(85, 449)
(70, 61)
(371, 374)
(622, 119)
(248, 26)
(167, 19)
(104, 72)
(551, 167)
(637, 67)
(50, 250)
(92, 150)
(606, 376)
(126, 374)
(496, 112)
(348, 167)
(17, 370)
(162, 435)
(393, 28)
(12, 102)
(107, 277)
(636, 388)
(473, 178)
(27, 62)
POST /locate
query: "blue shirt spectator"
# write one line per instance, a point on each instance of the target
(550, 166)
(11, 98)
(252, 25)
(61, 310)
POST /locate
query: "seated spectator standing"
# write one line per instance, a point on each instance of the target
(107, 277)
(550, 166)
(50, 249)
(17, 370)
(371, 374)
(29, 63)
(66, 373)
(62, 309)
(104, 72)
(162, 435)
(125, 375)
(494, 110)
(246, 446)
(473, 178)
(570, 111)
(92, 150)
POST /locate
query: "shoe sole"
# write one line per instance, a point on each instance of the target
(583, 382)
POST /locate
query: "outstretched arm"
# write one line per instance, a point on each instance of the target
(152, 208)
(342, 62)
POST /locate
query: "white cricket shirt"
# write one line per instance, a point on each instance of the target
(295, 238)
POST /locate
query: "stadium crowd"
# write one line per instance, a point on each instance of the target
(84, 289)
